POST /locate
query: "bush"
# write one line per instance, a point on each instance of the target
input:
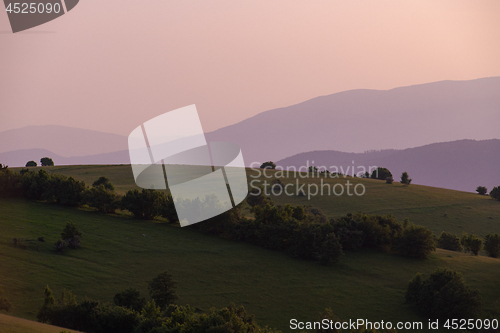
(61, 246)
(389, 180)
(256, 197)
(492, 245)
(481, 190)
(471, 243)
(168, 210)
(102, 199)
(72, 236)
(443, 295)
(495, 193)
(268, 165)
(405, 179)
(381, 173)
(105, 182)
(31, 164)
(162, 289)
(64, 191)
(416, 242)
(130, 299)
(145, 205)
(449, 241)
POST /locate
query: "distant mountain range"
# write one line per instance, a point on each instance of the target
(460, 165)
(351, 121)
(360, 120)
(61, 140)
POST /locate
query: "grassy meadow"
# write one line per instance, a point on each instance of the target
(120, 252)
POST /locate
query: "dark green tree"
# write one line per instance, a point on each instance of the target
(31, 164)
(495, 193)
(72, 235)
(492, 245)
(102, 199)
(162, 289)
(46, 161)
(168, 210)
(257, 197)
(481, 190)
(471, 243)
(268, 165)
(449, 241)
(443, 295)
(146, 204)
(130, 299)
(405, 179)
(416, 242)
(381, 173)
(105, 182)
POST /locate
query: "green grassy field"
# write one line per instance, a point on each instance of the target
(121, 252)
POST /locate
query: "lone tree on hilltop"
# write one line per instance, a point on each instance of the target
(46, 161)
(405, 178)
(31, 164)
(268, 165)
(481, 190)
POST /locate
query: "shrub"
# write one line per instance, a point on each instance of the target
(256, 197)
(130, 299)
(31, 164)
(168, 210)
(72, 236)
(481, 190)
(102, 199)
(443, 295)
(268, 165)
(381, 173)
(145, 205)
(162, 289)
(389, 180)
(492, 245)
(105, 182)
(416, 242)
(405, 179)
(471, 243)
(495, 193)
(449, 241)
(61, 246)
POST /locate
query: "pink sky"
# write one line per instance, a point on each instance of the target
(110, 65)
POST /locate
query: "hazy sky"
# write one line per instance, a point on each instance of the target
(110, 65)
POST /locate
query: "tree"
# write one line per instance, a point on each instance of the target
(481, 190)
(256, 197)
(389, 180)
(72, 235)
(268, 165)
(471, 243)
(495, 193)
(102, 199)
(144, 205)
(416, 242)
(105, 182)
(492, 245)
(449, 241)
(31, 164)
(381, 173)
(405, 179)
(43, 315)
(45, 161)
(162, 289)
(130, 299)
(443, 295)
(168, 210)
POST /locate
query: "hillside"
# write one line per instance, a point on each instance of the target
(121, 252)
(9, 324)
(460, 165)
(357, 120)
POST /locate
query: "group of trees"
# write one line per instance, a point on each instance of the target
(59, 189)
(44, 161)
(131, 313)
(495, 192)
(470, 243)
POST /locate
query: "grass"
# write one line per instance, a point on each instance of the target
(9, 324)
(121, 252)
